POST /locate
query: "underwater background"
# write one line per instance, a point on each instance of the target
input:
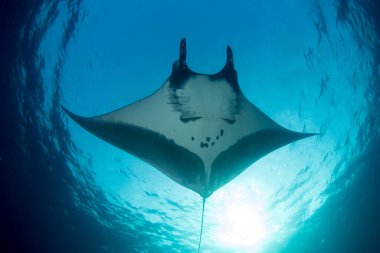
(311, 65)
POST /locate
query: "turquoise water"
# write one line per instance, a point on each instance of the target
(312, 66)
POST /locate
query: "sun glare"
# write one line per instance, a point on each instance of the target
(241, 225)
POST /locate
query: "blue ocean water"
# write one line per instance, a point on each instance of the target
(312, 66)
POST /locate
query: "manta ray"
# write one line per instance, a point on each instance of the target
(198, 129)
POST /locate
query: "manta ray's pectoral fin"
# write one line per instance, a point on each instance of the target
(249, 149)
(175, 161)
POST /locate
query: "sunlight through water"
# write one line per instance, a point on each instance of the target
(311, 66)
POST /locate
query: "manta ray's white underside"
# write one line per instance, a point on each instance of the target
(198, 129)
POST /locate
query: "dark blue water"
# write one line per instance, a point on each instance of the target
(312, 66)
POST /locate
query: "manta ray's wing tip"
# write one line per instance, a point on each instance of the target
(88, 123)
(63, 108)
(296, 136)
(306, 135)
(72, 115)
(311, 134)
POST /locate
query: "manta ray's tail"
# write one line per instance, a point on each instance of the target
(200, 236)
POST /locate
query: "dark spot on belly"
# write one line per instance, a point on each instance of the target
(190, 119)
(229, 121)
(206, 145)
(192, 138)
(212, 144)
(202, 144)
(221, 132)
(207, 139)
(217, 137)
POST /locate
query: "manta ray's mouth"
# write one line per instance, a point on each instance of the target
(181, 71)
